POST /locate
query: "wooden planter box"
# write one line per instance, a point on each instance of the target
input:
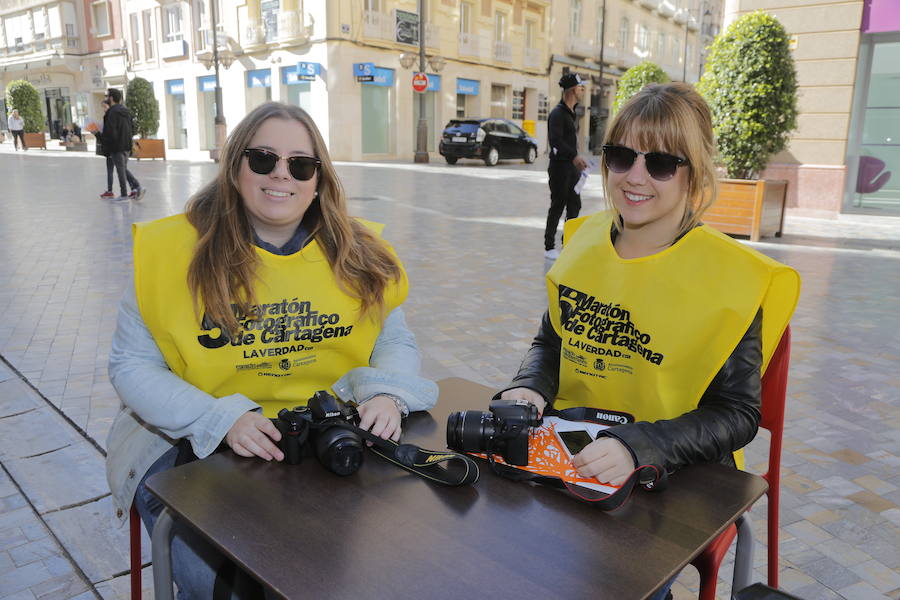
(149, 148)
(35, 140)
(751, 207)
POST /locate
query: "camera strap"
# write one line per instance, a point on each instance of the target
(444, 466)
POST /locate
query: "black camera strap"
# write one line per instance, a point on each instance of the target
(444, 466)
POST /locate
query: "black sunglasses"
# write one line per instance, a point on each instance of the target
(262, 162)
(660, 165)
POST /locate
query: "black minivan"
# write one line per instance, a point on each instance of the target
(487, 139)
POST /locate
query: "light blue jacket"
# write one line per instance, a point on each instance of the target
(159, 408)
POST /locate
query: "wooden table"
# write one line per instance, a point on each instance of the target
(385, 533)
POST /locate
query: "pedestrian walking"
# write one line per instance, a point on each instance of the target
(17, 129)
(101, 151)
(565, 165)
(118, 131)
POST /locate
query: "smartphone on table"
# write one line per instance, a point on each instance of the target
(574, 441)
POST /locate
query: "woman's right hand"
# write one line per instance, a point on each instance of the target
(252, 435)
(528, 395)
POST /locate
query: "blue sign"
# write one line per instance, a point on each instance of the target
(175, 87)
(434, 83)
(207, 83)
(467, 87)
(364, 71)
(307, 71)
(259, 78)
(382, 77)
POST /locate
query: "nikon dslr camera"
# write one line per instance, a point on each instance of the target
(323, 427)
(504, 430)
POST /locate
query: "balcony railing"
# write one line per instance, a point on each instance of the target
(468, 44)
(253, 33)
(580, 47)
(666, 8)
(377, 25)
(43, 46)
(502, 51)
(432, 36)
(533, 58)
(291, 29)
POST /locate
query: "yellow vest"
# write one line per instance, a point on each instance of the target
(646, 336)
(307, 335)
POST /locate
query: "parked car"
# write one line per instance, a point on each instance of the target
(487, 139)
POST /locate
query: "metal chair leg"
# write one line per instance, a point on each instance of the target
(743, 554)
(161, 548)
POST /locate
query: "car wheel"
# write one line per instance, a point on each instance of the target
(531, 155)
(451, 160)
(491, 157)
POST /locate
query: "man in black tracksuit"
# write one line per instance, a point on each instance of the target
(118, 130)
(565, 164)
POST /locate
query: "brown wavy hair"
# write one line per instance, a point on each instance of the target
(222, 272)
(672, 118)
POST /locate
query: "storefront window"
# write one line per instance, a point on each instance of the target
(876, 184)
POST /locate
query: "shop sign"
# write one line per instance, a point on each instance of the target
(175, 87)
(364, 72)
(259, 78)
(382, 77)
(407, 27)
(307, 71)
(207, 83)
(467, 87)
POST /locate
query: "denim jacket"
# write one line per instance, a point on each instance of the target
(159, 408)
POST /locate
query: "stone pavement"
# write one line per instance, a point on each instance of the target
(470, 238)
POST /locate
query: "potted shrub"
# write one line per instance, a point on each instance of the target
(142, 103)
(636, 78)
(751, 87)
(25, 98)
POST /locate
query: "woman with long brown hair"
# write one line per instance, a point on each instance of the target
(262, 293)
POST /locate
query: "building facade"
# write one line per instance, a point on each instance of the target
(484, 58)
(847, 143)
(71, 50)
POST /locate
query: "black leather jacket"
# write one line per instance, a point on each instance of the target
(727, 417)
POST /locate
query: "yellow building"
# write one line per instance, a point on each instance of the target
(846, 147)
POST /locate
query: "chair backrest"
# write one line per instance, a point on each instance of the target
(774, 392)
(868, 180)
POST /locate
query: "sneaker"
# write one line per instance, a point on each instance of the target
(106, 195)
(136, 194)
(551, 254)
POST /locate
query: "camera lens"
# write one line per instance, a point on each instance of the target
(339, 450)
(470, 430)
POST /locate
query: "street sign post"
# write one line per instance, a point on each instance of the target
(420, 82)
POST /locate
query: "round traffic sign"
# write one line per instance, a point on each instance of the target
(420, 82)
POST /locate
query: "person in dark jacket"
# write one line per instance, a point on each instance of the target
(565, 165)
(118, 131)
(654, 318)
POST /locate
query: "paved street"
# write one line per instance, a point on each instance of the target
(471, 240)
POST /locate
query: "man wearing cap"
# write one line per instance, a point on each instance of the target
(565, 164)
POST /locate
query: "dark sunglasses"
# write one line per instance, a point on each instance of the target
(262, 162)
(660, 165)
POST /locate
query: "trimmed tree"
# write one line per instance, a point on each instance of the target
(142, 103)
(25, 98)
(636, 78)
(751, 87)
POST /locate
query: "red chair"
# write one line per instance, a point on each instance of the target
(870, 178)
(774, 388)
(135, 535)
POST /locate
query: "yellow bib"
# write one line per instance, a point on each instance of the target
(307, 335)
(646, 336)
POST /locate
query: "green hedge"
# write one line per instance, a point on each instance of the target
(142, 103)
(636, 78)
(751, 87)
(25, 98)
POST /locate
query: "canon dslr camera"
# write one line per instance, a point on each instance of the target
(324, 427)
(504, 430)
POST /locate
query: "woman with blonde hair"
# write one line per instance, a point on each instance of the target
(654, 317)
(262, 293)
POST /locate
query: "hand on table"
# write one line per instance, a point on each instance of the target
(528, 395)
(254, 435)
(380, 415)
(607, 459)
